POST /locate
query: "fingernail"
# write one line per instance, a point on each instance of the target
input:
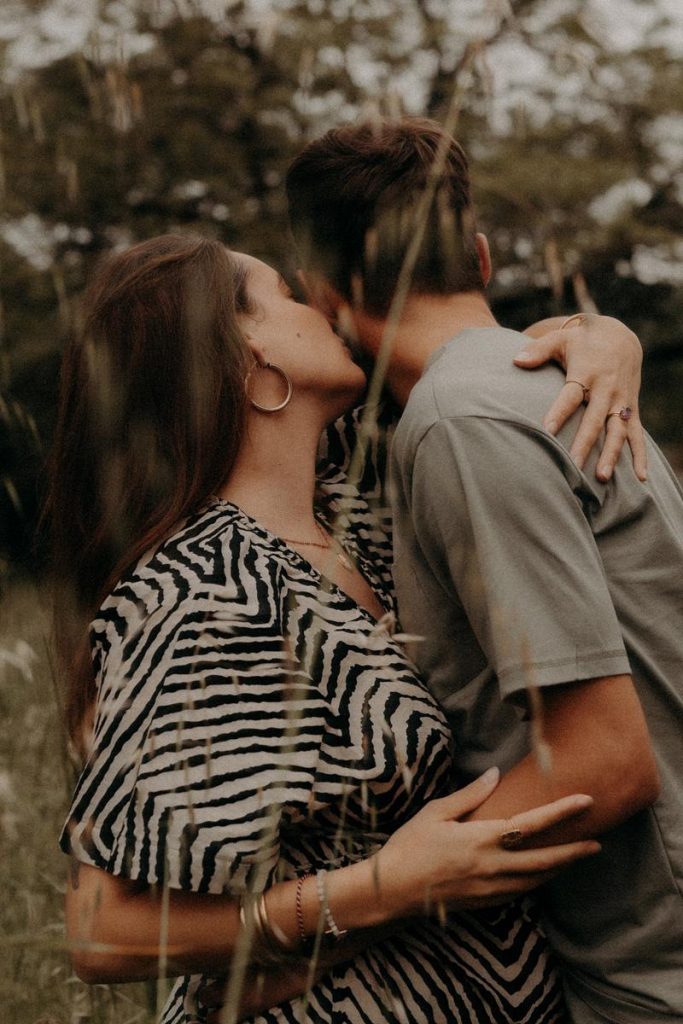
(604, 472)
(551, 426)
(584, 800)
(523, 357)
(490, 774)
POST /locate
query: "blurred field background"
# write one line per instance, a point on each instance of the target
(123, 119)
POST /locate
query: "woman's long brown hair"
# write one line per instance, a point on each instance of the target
(151, 416)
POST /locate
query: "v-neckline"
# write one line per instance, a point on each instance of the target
(362, 563)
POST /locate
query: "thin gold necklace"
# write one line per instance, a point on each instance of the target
(342, 557)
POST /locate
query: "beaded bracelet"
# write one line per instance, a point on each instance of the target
(331, 925)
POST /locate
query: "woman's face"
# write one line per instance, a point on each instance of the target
(297, 338)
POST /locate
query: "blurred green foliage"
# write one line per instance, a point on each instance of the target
(579, 182)
(195, 130)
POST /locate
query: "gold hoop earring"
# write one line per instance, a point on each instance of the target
(285, 377)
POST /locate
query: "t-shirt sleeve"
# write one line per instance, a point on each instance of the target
(205, 727)
(498, 514)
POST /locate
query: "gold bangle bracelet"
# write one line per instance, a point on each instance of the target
(276, 937)
(266, 947)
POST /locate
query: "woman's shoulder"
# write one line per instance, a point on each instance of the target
(207, 568)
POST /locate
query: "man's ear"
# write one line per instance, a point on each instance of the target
(320, 294)
(484, 254)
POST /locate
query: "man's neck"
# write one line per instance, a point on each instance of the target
(427, 322)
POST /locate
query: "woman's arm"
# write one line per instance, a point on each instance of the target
(119, 931)
(605, 357)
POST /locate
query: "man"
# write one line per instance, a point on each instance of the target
(522, 572)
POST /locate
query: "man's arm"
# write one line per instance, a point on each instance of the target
(498, 510)
(599, 744)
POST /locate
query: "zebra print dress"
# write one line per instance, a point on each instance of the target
(254, 723)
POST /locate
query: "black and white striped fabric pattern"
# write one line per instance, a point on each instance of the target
(254, 723)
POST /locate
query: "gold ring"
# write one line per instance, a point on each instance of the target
(624, 413)
(579, 317)
(513, 837)
(586, 390)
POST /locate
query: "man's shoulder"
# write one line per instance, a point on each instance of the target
(473, 376)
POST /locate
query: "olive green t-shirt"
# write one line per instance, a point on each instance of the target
(518, 570)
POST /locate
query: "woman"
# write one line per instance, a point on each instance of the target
(264, 764)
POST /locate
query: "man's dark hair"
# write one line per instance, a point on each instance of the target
(353, 196)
